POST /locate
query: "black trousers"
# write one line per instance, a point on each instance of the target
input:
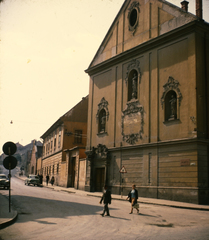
(106, 209)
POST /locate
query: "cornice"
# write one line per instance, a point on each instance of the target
(162, 143)
(50, 155)
(177, 33)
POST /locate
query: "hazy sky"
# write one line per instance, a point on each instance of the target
(45, 47)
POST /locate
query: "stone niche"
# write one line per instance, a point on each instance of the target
(132, 122)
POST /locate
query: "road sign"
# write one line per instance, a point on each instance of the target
(123, 170)
(9, 148)
(10, 162)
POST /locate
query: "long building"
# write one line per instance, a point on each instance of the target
(59, 158)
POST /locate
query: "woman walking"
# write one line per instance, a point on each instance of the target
(132, 197)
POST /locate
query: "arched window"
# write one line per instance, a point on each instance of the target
(102, 121)
(171, 100)
(170, 106)
(133, 85)
(102, 117)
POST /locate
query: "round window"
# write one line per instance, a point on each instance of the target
(133, 17)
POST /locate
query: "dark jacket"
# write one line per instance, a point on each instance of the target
(106, 197)
(136, 194)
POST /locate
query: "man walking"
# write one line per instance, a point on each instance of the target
(106, 198)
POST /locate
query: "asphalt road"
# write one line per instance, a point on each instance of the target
(48, 214)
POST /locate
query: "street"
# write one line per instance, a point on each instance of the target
(47, 214)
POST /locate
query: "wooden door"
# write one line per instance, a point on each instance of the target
(100, 179)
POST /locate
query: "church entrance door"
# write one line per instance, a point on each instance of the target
(100, 179)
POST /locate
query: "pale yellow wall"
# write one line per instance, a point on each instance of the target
(63, 175)
(155, 19)
(39, 166)
(51, 137)
(103, 87)
(50, 161)
(176, 59)
(82, 174)
(155, 162)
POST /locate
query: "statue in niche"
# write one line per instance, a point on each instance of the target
(172, 107)
(134, 86)
(103, 122)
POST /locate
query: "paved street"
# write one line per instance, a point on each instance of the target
(47, 214)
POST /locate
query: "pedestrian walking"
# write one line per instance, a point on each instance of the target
(47, 179)
(132, 197)
(52, 180)
(106, 198)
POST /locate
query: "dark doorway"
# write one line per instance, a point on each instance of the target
(71, 172)
(100, 179)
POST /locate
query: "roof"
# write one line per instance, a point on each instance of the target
(76, 114)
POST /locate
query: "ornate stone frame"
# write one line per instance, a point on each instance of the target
(102, 105)
(134, 64)
(134, 6)
(102, 152)
(173, 85)
(133, 107)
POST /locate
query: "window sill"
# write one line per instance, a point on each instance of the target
(172, 121)
(101, 134)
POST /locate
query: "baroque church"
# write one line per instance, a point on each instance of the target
(148, 104)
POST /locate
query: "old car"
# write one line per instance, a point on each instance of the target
(33, 180)
(4, 182)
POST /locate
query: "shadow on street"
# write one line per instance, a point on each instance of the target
(38, 208)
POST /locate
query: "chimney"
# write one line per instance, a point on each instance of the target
(184, 6)
(199, 8)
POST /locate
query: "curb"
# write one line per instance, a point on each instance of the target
(10, 222)
(159, 204)
(12, 219)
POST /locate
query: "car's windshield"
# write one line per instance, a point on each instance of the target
(2, 177)
(33, 176)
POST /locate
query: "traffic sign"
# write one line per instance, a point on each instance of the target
(9, 148)
(123, 170)
(10, 162)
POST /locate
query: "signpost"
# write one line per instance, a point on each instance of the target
(122, 170)
(9, 163)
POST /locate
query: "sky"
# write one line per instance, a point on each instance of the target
(45, 47)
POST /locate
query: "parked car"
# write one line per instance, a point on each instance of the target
(32, 179)
(4, 182)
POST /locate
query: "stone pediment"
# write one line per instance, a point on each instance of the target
(138, 22)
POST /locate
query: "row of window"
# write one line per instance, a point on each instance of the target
(50, 170)
(170, 100)
(51, 143)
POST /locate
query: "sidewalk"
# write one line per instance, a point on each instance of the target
(7, 218)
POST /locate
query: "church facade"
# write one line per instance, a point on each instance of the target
(148, 104)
